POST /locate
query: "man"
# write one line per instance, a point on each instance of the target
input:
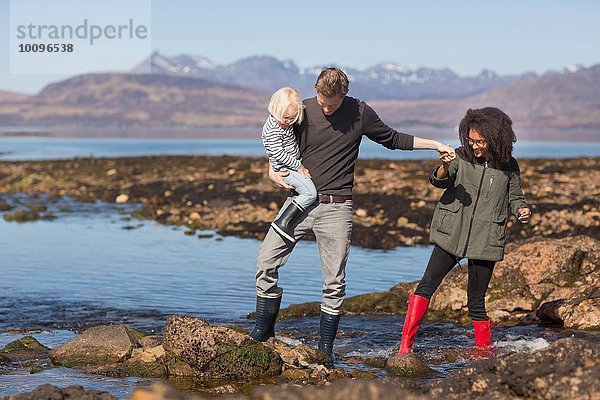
(329, 138)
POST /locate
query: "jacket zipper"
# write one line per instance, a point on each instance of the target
(474, 209)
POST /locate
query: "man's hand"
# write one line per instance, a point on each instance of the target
(277, 178)
(304, 172)
(524, 214)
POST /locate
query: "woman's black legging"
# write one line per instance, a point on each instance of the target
(480, 273)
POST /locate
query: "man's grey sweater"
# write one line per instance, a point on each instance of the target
(329, 144)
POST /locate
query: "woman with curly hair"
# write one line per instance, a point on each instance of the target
(482, 185)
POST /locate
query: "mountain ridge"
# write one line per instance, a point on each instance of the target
(565, 99)
(384, 80)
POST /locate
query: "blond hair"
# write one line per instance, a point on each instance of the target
(332, 82)
(282, 100)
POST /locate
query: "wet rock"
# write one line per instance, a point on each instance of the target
(301, 355)
(137, 334)
(22, 216)
(309, 356)
(38, 208)
(408, 365)
(146, 362)
(24, 343)
(151, 341)
(217, 352)
(160, 391)
(287, 353)
(36, 369)
(377, 362)
(179, 368)
(296, 374)
(567, 369)
(99, 345)
(343, 390)
(49, 392)
(581, 312)
(4, 359)
(297, 311)
(360, 374)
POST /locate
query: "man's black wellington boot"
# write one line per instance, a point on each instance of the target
(329, 327)
(266, 315)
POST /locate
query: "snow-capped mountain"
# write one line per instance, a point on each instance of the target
(382, 81)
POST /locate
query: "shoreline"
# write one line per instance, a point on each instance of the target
(393, 200)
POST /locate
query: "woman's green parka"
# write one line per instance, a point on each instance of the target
(470, 218)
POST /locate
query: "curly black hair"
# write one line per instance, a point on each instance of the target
(496, 127)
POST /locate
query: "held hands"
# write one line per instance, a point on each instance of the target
(524, 214)
(447, 150)
(447, 158)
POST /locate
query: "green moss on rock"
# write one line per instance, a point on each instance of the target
(250, 360)
(25, 343)
(137, 334)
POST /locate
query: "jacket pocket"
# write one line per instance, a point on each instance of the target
(447, 217)
(498, 231)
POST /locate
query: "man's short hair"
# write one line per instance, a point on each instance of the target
(332, 82)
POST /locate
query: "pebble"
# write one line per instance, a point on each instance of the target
(361, 213)
(122, 198)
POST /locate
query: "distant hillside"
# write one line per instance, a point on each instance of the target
(567, 100)
(6, 96)
(155, 103)
(381, 81)
(131, 100)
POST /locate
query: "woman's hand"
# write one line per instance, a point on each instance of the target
(524, 214)
(446, 159)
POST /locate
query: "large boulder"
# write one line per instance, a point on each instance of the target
(216, 352)
(543, 271)
(100, 345)
(581, 312)
(567, 369)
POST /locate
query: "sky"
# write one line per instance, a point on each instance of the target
(509, 37)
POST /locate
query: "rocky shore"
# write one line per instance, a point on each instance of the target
(393, 200)
(553, 281)
(550, 275)
(566, 369)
